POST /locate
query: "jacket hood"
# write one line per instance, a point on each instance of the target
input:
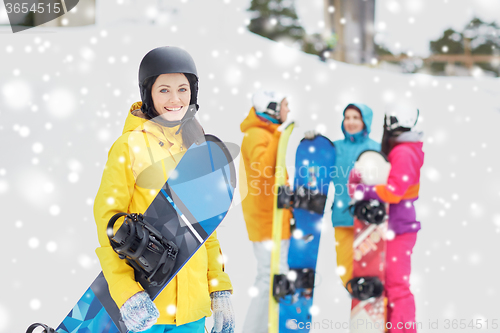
(136, 118)
(366, 115)
(252, 120)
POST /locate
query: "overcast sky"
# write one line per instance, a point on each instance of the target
(411, 23)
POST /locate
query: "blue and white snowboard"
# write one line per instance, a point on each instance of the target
(314, 160)
(187, 210)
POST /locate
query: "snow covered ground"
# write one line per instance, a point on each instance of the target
(65, 94)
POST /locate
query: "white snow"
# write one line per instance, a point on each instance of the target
(35, 304)
(54, 210)
(37, 147)
(171, 309)
(4, 186)
(33, 242)
(253, 291)
(5, 317)
(24, 131)
(73, 177)
(85, 261)
(51, 246)
(61, 103)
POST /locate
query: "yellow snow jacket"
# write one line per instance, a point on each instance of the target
(187, 297)
(258, 152)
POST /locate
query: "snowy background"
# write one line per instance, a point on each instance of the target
(64, 96)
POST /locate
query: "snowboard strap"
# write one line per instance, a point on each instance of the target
(282, 287)
(305, 278)
(363, 288)
(303, 198)
(285, 195)
(371, 211)
(308, 199)
(145, 249)
(46, 329)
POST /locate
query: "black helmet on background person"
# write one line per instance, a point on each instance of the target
(167, 60)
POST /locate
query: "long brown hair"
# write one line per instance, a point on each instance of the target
(389, 138)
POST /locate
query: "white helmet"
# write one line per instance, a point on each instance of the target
(268, 102)
(401, 115)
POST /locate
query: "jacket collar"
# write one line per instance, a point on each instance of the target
(252, 120)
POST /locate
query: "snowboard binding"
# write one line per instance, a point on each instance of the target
(282, 287)
(363, 288)
(145, 249)
(309, 199)
(305, 278)
(370, 211)
(303, 198)
(305, 281)
(46, 329)
(285, 197)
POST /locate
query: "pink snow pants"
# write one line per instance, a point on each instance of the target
(400, 301)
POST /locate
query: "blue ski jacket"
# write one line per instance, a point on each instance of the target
(348, 151)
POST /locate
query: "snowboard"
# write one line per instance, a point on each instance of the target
(187, 210)
(368, 309)
(313, 162)
(280, 180)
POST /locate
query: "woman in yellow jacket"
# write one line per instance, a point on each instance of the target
(160, 129)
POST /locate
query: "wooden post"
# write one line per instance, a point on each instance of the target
(469, 62)
(339, 52)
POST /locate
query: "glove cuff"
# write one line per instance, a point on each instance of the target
(220, 294)
(139, 312)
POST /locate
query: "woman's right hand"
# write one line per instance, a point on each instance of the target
(139, 313)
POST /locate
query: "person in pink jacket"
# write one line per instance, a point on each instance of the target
(403, 147)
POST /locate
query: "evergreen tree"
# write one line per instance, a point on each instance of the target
(382, 50)
(484, 39)
(450, 43)
(275, 19)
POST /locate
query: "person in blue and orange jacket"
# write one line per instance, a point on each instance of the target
(403, 147)
(356, 127)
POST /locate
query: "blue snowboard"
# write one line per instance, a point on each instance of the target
(314, 161)
(187, 210)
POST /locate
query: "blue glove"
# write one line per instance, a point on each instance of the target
(223, 312)
(139, 313)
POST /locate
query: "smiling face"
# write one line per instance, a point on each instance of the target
(353, 122)
(171, 95)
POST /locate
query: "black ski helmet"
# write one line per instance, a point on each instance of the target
(166, 60)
